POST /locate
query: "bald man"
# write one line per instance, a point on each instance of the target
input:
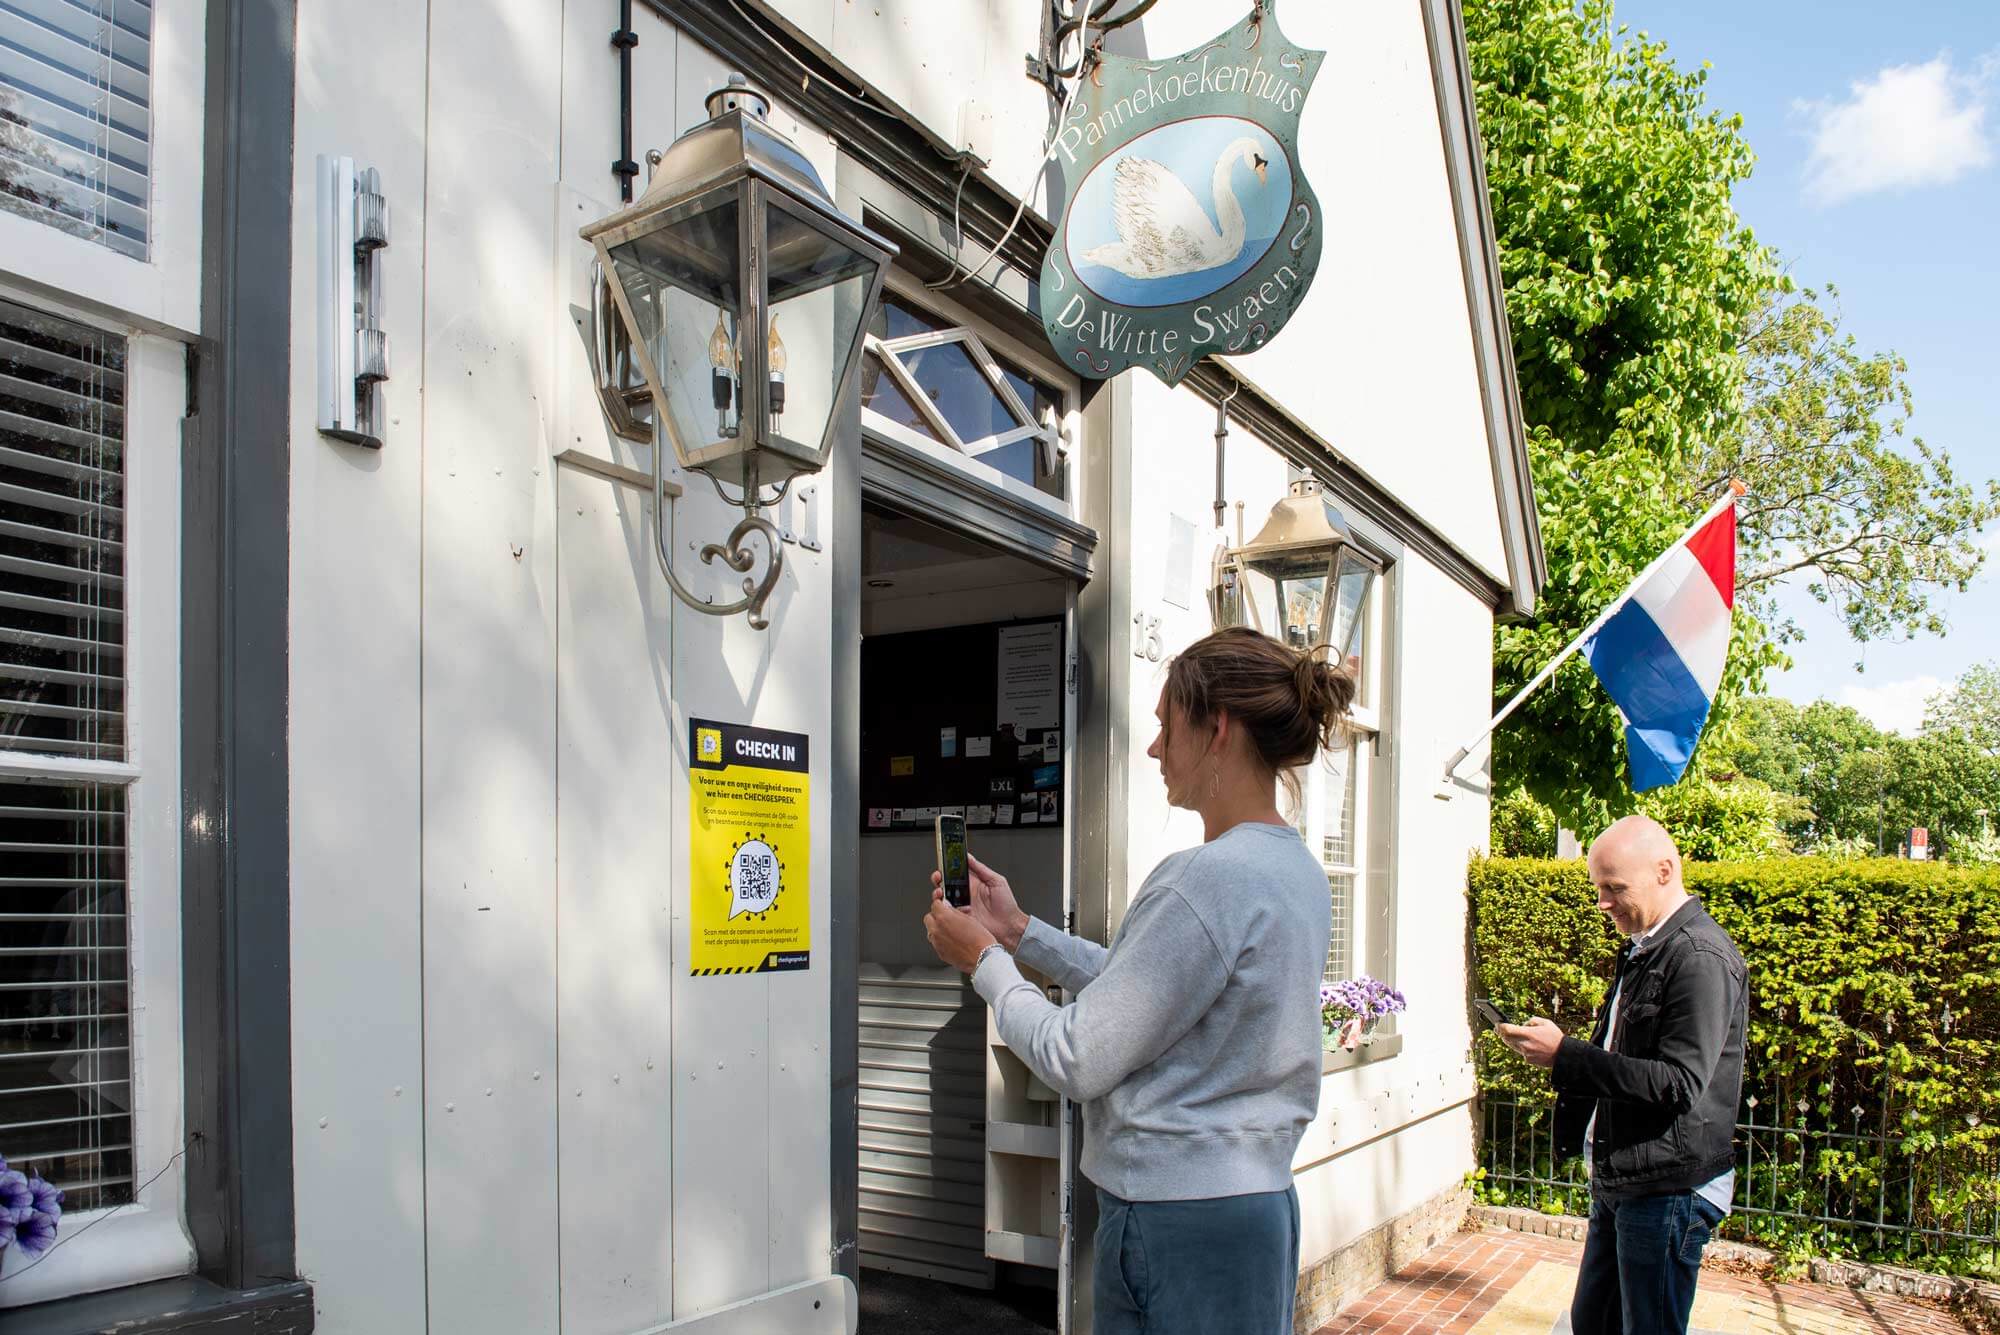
(1651, 1099)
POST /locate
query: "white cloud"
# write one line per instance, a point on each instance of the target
(1897, 706)
(1907, 126)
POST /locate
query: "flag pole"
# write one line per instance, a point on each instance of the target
(1727, 499)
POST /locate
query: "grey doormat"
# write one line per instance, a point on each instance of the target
(907, 1305)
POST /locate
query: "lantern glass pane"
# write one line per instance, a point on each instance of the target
(818, 290)
(683, 285)
(1302, 602)
(1350, 605)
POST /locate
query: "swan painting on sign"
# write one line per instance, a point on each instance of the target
(1180, 212)
(1184, 224)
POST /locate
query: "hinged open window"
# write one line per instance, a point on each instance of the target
(941, 382)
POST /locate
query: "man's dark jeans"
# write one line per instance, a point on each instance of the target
(1640, 1260)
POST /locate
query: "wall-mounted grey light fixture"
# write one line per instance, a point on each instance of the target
(353, 350)
(1320, 576)
(735, 233)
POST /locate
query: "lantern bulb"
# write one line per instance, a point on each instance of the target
(722, 375)
(774, 367)
(774, 350)
(721, 348)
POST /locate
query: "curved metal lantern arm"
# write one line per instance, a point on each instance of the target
(757, 589)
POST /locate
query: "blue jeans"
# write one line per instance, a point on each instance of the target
(1228, 1266)
(1640, 1261)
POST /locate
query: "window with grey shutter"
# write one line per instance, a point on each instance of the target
(65, 1061)
(76, 117)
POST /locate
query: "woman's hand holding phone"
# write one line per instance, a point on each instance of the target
(993, 905)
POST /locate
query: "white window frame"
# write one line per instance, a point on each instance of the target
(161, 293)
(1364, 731)
(145, 1240)
(967, 329)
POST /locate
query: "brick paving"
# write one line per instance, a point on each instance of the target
(1500, 1283)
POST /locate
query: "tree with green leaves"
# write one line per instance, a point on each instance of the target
(1836, 504)
(1969, 708)
(1855, 782)
(1830, 757)
(1630, 282)
(1660, 351)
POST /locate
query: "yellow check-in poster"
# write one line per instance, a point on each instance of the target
(751, 842)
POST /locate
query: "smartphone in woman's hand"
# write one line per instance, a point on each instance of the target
(952, 864)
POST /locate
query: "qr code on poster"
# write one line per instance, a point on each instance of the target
(753, 878)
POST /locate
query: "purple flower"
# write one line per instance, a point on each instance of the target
(48, 1200)
(1364, 999)
(6, 1232)
(15, 1195)
(35, 1234)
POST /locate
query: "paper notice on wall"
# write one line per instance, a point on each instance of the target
(978, 746)
(901, 767)
(750, 846)
(1003, 815)
(979, 815)
(947, 741)
(1030, 677)
(879, 818)
(1175, 585)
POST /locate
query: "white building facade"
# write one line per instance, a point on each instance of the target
(349, 866)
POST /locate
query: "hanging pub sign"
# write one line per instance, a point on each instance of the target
(1185, 225)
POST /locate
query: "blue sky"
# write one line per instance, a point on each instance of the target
(1877, 130)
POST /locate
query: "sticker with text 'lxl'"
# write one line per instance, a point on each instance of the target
(750, 842)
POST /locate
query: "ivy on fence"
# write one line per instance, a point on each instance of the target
(1873, 1046)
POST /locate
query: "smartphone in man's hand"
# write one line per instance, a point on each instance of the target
(951, 861)
(1491, 1012)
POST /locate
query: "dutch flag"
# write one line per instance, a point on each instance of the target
(1661, 651)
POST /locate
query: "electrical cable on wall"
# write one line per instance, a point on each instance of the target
(806, 73)
(1048, 154)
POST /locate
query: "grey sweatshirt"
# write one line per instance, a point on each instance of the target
(1194, 1041)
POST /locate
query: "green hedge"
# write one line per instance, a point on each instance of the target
(1874, 984)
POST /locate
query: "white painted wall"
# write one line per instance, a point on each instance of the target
(356, 709)
(502, 1068)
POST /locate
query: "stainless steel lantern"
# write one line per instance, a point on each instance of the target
(744, 295)
(1320, 577)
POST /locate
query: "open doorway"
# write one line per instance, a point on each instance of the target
(964, 709)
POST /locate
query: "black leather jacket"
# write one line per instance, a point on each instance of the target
(1666, 1097)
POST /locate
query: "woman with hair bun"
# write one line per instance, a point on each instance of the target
(1193, 1041)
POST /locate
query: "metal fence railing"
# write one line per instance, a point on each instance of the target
(1864, 1192)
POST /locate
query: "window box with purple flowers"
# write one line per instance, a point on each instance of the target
(1350, 1009)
